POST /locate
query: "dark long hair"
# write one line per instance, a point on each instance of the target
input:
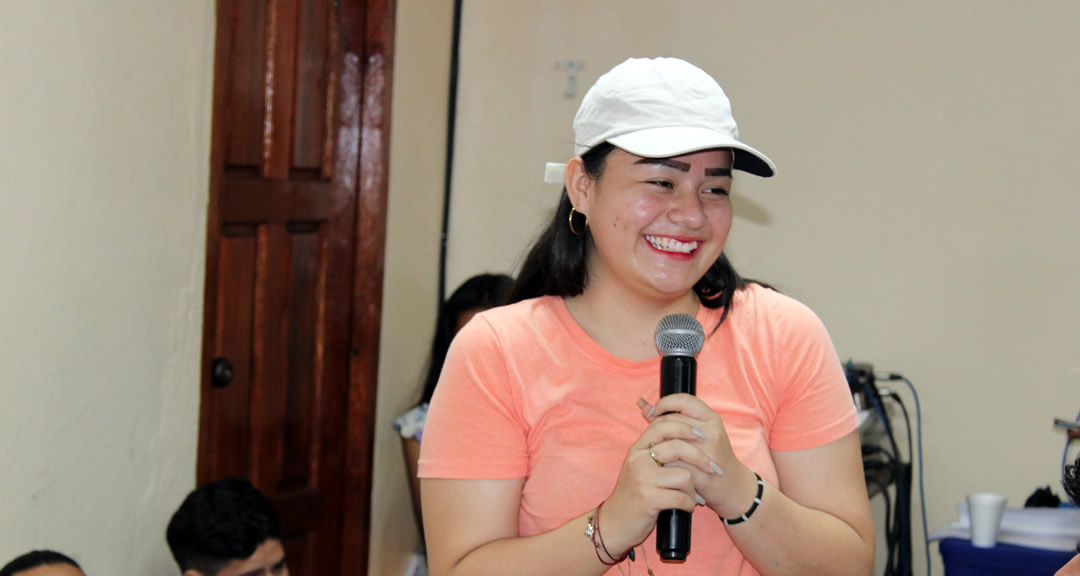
(555, 265)
(479, 292)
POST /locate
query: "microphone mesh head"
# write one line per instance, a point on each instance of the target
(679, 334)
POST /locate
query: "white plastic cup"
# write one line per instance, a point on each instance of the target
(986, 510)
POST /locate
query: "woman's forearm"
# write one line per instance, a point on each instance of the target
(565, 550)
(783, 537)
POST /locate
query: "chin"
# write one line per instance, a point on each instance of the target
(673, 291)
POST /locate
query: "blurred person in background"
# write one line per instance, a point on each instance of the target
(42, 563)
(479, 293)
(227, 528)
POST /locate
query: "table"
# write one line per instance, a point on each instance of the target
(963, 559)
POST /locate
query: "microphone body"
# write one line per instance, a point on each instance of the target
(679, 338)
(678, 375)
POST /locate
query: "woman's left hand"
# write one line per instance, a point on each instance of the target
(720, 478)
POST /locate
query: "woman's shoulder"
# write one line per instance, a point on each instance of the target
(525, 307)
(759, 303)
(540, 314)
(761, 297)
(522, 330)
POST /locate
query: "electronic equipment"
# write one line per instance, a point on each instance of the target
(883, 462)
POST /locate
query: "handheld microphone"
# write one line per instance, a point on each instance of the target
(679, 338)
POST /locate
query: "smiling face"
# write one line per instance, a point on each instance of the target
(657, 224)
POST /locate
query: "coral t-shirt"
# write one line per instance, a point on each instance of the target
(526, 393)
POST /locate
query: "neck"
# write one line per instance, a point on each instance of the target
(625, 324)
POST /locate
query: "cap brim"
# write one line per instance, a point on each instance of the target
(679, 140)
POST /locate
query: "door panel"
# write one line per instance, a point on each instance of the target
(243, 23)
(229, 421)
(313, 117)
(284, 253)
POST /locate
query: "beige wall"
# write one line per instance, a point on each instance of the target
(926, 204)
(926, 171)
(104, 145)
(417, 160)
(104, 151)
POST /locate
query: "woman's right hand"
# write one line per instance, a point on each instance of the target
(645, 488)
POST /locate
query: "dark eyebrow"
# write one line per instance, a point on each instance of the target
(682, 166)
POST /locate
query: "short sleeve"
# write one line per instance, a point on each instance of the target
(474, 426)
(816, 406)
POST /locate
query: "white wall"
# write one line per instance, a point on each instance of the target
(104, 155)
(926, 203)
(926, 171)
(104, 145)
(410, 294)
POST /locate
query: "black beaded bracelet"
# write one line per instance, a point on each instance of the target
(753, 507)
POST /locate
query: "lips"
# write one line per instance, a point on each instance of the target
(667, 244)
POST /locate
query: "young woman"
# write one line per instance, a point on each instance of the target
(547, 449)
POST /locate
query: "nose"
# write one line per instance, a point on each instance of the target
(687, 210)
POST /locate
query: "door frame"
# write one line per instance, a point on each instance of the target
(372, 64)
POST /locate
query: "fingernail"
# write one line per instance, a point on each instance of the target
(642, 404)
(699, 434)
(716, 469)
(700, 500)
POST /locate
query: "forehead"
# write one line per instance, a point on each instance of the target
(52, 570)
(702, 159)
(266, 555)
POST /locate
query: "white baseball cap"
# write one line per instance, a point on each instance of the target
(657, 108)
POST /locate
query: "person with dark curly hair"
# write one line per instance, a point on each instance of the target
(227, 528)
(42, 563)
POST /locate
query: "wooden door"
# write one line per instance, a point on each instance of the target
(294, 265)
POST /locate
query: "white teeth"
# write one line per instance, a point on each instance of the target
(672, 245)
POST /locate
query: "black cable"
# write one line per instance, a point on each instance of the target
(907, 420)
(451, 121)
(899, 542)
(878, 450)
(922, 485)
(875, 399)
(888, 513)
(907, 500)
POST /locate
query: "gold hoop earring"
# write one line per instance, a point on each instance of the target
(571, 220)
